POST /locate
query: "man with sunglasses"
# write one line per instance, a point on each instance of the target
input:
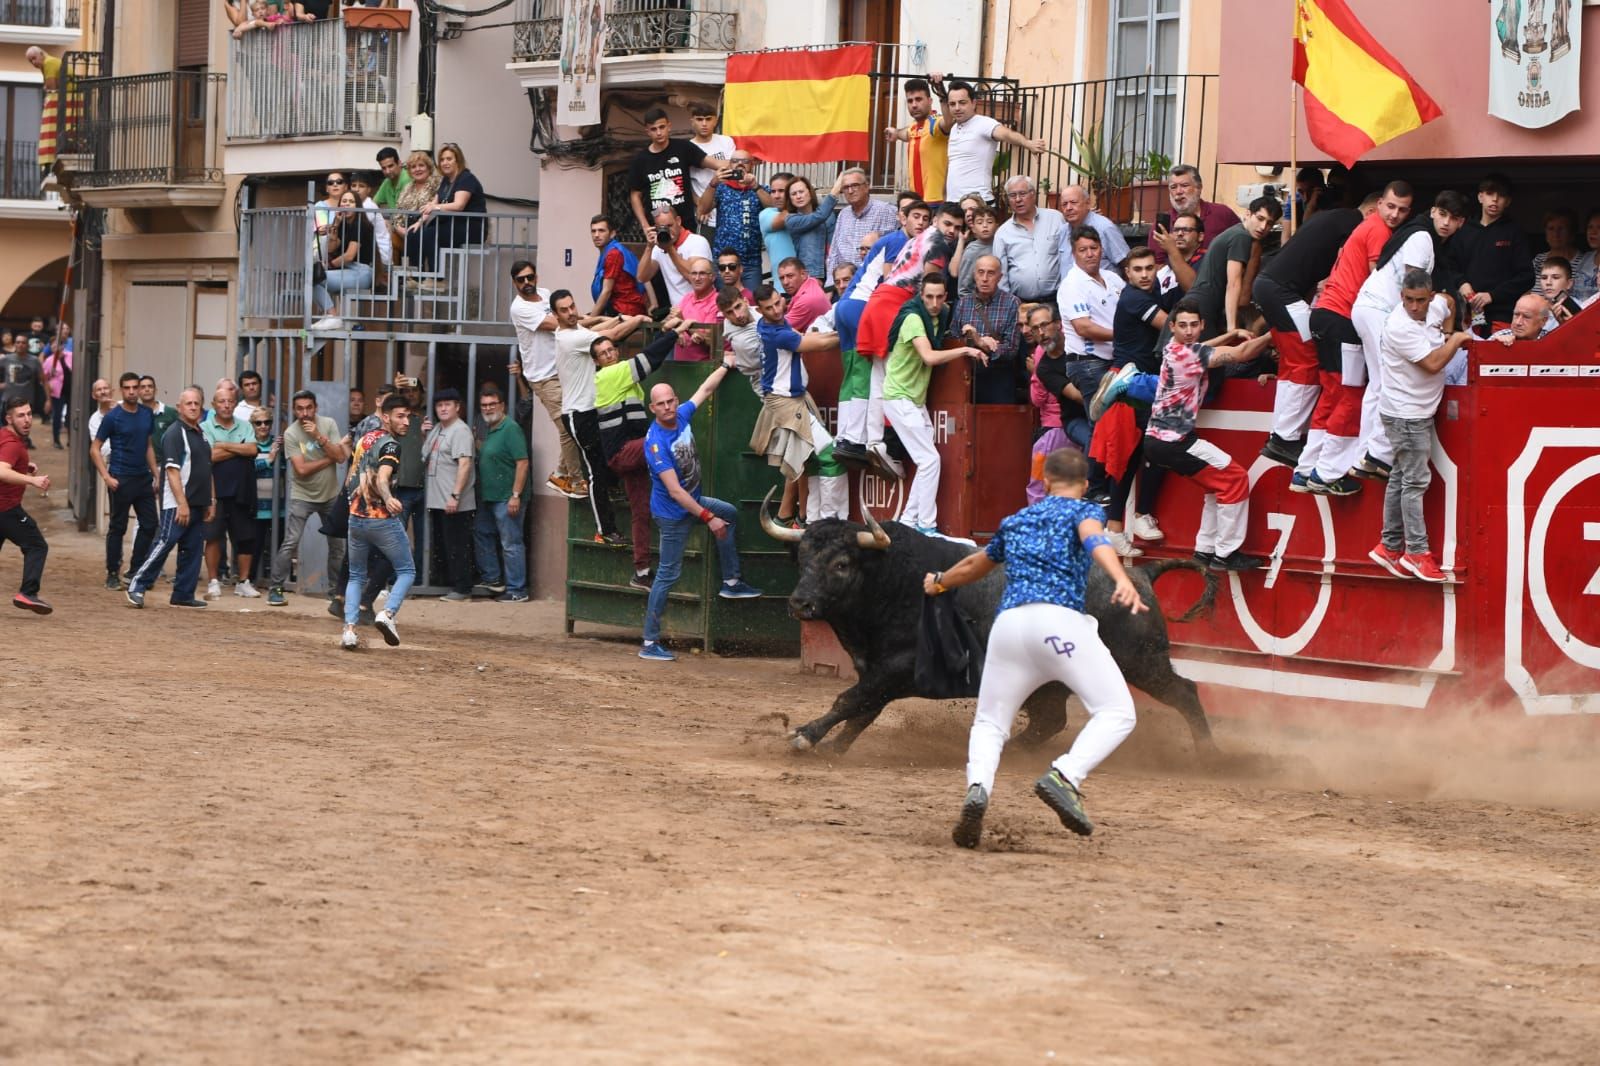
(535, 323)
(268, 462)
(730, 273)
(736, 199)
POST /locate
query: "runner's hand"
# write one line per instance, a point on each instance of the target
(1128, 596)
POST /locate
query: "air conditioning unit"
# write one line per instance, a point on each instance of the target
(1259, 189)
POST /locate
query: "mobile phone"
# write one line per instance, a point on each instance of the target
(1164, 219)
(409, 383)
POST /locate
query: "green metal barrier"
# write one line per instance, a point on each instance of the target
(598, 574)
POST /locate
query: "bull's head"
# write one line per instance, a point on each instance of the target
(830, 558)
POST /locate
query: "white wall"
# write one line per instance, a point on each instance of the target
(949, 31)
(482, 107)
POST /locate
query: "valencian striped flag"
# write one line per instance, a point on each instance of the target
(1356, 94)
(800, 106)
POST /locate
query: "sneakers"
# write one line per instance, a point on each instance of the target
(275, 596)
(364, 616)
(493, 588)
(385, 623)
(1237, 560)
(197, 605)
(567, 487)
(1388, 559)
(933, 531)
(1286, 452)
(656, 653)
(113, 582)
(135, 598)
(348, 639)
(848, 451)
(642, 579)
(1423, 566)
(1205, 558)
(1112, 385)
(214, 589)
(1063, 797)
(247, 590)
(31, 603)
(512, 597)
(738, 591)
(1124, 545)
(969, 829)
(1339, 486)
(614, 540)
(1299, 483)
(1368, 467)
(455, 597)
(336, 607)
(330, 322)
(1146, 528)
(878, 456)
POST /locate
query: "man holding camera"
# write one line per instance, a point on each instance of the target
(674, 249)
(314, 450)
(736, 201)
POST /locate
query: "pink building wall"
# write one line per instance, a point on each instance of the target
(1445, 46)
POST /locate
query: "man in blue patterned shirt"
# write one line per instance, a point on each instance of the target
(1041, 635)
(737, 199)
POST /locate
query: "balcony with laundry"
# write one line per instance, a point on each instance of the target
(632, 42)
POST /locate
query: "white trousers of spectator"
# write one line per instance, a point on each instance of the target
(1030, 646)
(1339, 453)
(861, 420)
(1313, 448)
(915, 428)
(1293, 401)
(1374, 439)
(827, 497)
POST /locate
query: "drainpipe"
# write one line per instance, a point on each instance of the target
(1002, 37)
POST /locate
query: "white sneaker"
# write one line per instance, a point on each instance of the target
(878, 454)
(331, 322)
(1124, 545)
(245, 589)
(214, 590)
(1145, 528)
(385, 623)
(349, 640)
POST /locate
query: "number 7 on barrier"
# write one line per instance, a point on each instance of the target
(1284, 525)
(1591, 531)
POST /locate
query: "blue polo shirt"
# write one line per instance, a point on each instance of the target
(672, 449)
(129, 433)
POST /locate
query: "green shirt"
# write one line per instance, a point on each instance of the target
(498, 456)
(324, 484)
(614, 384)
(164, 416)
(907, 376)
(388, 193)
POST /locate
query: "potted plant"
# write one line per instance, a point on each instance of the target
(1149, 187)
(1052, 198)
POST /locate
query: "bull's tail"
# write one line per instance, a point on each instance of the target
(1207, 602)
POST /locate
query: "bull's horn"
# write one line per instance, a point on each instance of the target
(877, 538)
(771, 528)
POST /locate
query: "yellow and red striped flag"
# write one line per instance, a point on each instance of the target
(1357, 95)
(800, 106)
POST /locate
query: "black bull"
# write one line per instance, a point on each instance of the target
(867, 585)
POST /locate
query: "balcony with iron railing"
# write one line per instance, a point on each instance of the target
(148, 140)
(42, 22)
(21, 192)
(641, 41)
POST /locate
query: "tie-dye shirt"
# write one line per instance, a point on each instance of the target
(1182, 387)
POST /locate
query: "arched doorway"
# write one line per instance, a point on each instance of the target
(39, 294)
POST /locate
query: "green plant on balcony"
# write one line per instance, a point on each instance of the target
(1157, 165)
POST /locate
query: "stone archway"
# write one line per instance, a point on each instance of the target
(35, 293)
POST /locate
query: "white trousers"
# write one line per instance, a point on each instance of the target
(1028, 647)
(1292, 405)
(1374, 439)
(861, 421)
(915, 428)
(827, 497)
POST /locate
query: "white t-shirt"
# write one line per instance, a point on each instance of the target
(972, 151)
(1081, 297)
(537, 347)
(576, 367)
(105, 445)
(1381, 290)
(1408, 390)
(719, 147)
(677, 285)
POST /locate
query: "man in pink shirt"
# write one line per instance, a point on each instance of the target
(699, 312)
(807, 301)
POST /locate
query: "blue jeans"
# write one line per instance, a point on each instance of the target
(380, 573)
(496, 531)
(388, 536)
(342, 279)
(1086, 374)
(190, 541)
(674, 538)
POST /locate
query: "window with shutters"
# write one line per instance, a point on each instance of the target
(192, 42)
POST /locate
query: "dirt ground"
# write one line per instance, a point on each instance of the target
(224, 840)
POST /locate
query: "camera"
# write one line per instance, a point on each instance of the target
(736, 174)
(664, 237)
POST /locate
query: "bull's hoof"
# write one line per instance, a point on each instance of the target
(799, 742)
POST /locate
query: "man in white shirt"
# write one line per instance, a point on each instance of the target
(575, 364)
(1414, 353)
(536, 361)
(718, 146)
(1088, 302)
(670, 255)
(974, 142)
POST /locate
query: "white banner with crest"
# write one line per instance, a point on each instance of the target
(583, 30)
(1534, 50)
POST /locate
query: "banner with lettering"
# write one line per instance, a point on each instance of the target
(583, 30)
(1534, 50)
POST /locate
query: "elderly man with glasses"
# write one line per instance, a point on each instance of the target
(860, 216)
(1028, 245)
(737, 199)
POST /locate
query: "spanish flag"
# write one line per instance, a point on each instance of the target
(1357, 95)
(800, 106)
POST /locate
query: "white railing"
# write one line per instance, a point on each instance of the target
(632, 27)
(41, 14)
(314, 79)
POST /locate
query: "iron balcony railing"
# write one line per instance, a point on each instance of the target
(631, 27)
(150, 129)
(76, 67)
(20, 178)
(314, 79)
(453, 274)
(42, 14)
